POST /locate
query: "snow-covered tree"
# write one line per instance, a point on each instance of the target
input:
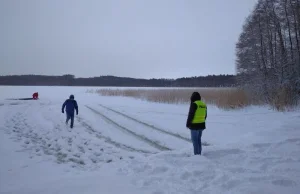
(268, 52)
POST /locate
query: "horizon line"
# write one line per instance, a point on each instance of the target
(116, 76)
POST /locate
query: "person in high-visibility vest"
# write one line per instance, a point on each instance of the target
(196, 121)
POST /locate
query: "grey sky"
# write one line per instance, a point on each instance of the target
(131, 38)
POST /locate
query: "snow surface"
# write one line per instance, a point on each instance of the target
(124, 145)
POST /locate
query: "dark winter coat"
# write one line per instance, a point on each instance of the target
(71, 106)
(193, 107)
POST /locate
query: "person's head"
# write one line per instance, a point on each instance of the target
(195, 96)
(72, 96)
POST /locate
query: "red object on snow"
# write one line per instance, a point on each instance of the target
(35, 95)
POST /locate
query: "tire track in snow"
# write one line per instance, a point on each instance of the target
(152, 126)
(140, 137)
(76, 146)
(110, 141)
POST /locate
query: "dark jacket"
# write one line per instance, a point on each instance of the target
(193, 107)
(70, 105)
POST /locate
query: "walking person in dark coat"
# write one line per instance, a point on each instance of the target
(71, 106)
(196, 121)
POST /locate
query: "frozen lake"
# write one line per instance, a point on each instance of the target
(126, 145)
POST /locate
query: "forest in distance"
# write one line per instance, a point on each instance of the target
(71, 80)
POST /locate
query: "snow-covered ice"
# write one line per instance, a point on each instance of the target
(125, 145)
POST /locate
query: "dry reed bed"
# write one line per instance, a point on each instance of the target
(226, 98)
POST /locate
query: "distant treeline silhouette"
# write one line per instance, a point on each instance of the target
(70, 80)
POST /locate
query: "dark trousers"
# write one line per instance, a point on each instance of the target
(70, 116)
(196, 139)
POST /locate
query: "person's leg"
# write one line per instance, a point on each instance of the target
(72, 120)
(199, 141)
(195, 139)
(68, 118)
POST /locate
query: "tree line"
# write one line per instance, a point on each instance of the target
(70, 80)
(268, 52)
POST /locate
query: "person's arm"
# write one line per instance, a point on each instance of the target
(206, 113)
(191, 114)
(63, 106)
(76, 107)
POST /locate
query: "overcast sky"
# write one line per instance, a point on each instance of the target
(131, 38)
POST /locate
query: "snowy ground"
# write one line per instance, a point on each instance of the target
(123, 145)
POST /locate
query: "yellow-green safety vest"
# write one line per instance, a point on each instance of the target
(200, 113)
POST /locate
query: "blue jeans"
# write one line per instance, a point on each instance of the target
(70, 116)
(196, 139)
